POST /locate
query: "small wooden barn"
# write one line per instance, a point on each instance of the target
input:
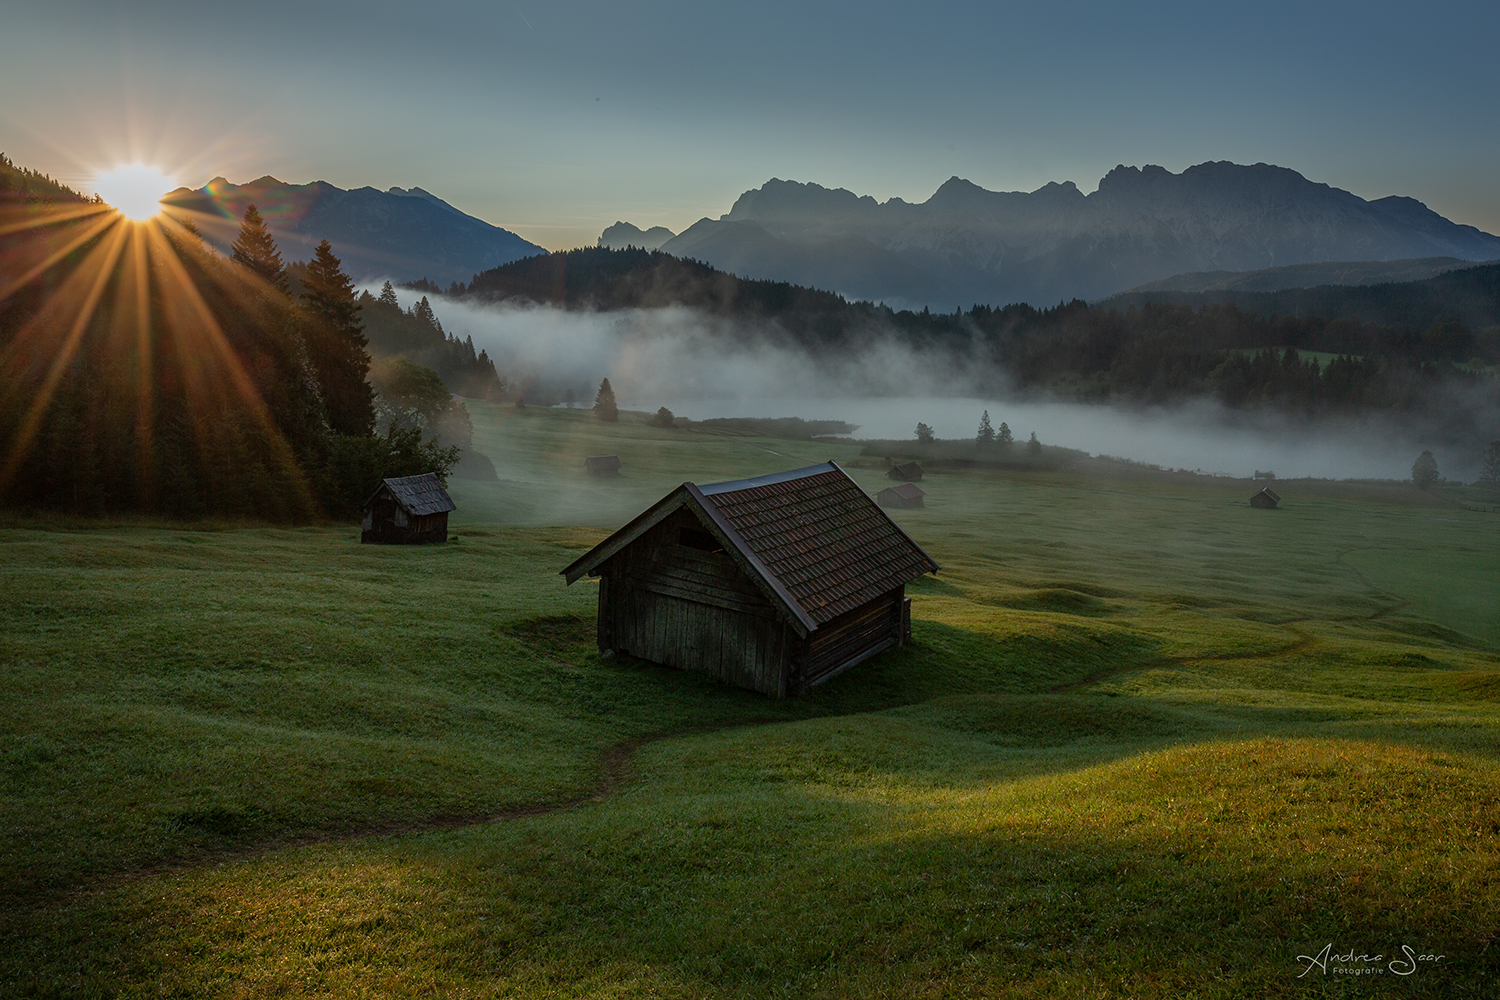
(904, 495)
(774, 584)
(1265, 499)
(602, 465)
(906, 472)
(410, 510)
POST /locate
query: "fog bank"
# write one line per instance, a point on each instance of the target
(701, 367)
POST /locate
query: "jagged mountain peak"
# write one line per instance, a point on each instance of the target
(967, 244)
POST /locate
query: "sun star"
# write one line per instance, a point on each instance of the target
(136, 190)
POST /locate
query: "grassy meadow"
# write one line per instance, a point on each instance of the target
(1148, 742)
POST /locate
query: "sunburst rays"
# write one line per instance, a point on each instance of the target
(156, 302)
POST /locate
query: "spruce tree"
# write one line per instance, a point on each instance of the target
(986, 435)
(255, 248)
(1489, 470)
(604, 403)
(388, 296)
(1034, 447)
(337, 344)
(1005, 437)
(1424, 471)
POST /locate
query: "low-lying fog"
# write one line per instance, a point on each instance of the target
(1192, 437)
(701, 367)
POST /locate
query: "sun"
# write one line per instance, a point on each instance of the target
(135, 190)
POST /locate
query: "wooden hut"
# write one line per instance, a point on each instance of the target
(602, 465)
(1265, 499)
(904, 495)
(906, 472)
(775, 583)
(411, 510)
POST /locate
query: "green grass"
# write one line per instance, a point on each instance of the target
(1148, 742)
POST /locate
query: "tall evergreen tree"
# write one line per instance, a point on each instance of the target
(1424, 471)
(256, 249)
(388, 296)
(604, 403)
(337, 344)
(1005, 437)
(1489, 470)
(986, 435)
(1033, 447)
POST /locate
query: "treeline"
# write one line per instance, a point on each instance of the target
(1469, 297)
(417, 334)
(140, 370)
(1151, 353)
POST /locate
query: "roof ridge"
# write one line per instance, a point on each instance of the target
(735, 485)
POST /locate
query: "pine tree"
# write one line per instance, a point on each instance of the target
(986, 435)
(255, 248)
(1005, 437)
(1424, 471)
(604, 403)
(1033, 447)
(388, 296)
(1489, 470)
(337, 344)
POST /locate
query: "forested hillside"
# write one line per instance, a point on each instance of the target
(1470, 296)
(140, 370)
(1153, 353)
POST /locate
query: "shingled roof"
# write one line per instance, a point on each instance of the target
(419, 495)
(816, 542)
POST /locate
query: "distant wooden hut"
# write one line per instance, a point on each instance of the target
(774, 584)
(1265, 499)
(907, 472)
(411, 510)
(904, 495)
(603, 465)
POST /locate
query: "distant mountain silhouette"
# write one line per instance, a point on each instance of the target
(966, 245)
(400, 234)
(1274, 279)
(623, 234)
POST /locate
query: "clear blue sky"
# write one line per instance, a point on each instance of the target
(556, 119)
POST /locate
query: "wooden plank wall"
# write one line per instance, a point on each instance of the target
(852, 637)
(688, 608)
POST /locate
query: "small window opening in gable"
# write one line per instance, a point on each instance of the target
(697, 538)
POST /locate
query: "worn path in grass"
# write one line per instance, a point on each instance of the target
(1149, 743)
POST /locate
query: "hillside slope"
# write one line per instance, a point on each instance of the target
(400, 234)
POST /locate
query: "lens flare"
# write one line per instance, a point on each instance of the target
(135, 190)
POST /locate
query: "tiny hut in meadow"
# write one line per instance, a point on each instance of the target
(1265, 499)
(603, 465)
(906, 472)
(411, 510)
(774, 583)
(904, 495)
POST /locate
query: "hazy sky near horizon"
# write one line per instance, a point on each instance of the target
(556, 119)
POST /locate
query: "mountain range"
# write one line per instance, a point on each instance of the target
(401, 234)
(966, 244)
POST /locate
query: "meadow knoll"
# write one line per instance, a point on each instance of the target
(1147, 742)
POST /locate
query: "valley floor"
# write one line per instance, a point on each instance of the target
(1148, 742)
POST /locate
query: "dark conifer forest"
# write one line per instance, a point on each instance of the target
(140, 370)
(1432, 360)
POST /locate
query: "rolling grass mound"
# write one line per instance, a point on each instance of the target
(1145, 743)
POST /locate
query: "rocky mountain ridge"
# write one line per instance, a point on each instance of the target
(966, 244)
(400, 233)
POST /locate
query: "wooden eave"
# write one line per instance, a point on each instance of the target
(688, 495)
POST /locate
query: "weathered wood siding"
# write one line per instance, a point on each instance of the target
(385, 523)
(686, 607)
(853, 637)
